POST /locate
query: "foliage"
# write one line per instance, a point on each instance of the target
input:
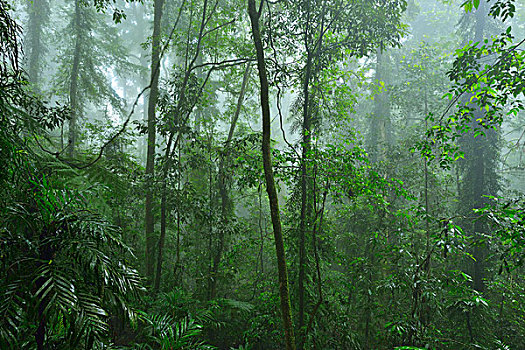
(489, 74)
(507, 218)
(400, 251)
(63, 267)
(62, 262)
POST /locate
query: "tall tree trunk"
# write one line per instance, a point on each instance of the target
(478, 169)
(313, 41)
(38, 14)
(305, 202)
(150, 156)
(379, 134)
(224, 179)
(73, 88)
(268, 174)
(198, 112)
(479, 164)
(177, 271)
(163, 210)
(144, 76)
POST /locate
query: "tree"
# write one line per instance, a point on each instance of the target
(478, 168)
(88, 47)
(38, 17)
(150, 156)
(373, 244)
(379, 135)
(268, 174)
(327, 33)
(186, 90)
(224, 178)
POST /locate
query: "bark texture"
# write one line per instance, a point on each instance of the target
(150, 156)
(270, 184)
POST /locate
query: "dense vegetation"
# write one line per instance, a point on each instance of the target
(251, 174)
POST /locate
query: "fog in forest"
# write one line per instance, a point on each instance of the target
(255, 174)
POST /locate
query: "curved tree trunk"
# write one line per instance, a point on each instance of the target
(270, 184)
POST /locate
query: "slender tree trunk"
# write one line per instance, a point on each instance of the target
(224, 179)
(73, 88)
(427, 206)
(178, 270)
(163, 211)
(313, 41)
(144, 76)
(211, 277)
(368, 303)
(270, 184)
(179, 111)
(163, 218)
(198, 112)
(305, 202)
(150, 156)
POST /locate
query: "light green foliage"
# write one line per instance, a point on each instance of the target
(492, 87)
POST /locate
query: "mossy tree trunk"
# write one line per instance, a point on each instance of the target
(268, 174)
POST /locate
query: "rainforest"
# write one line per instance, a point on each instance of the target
(262, 174)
